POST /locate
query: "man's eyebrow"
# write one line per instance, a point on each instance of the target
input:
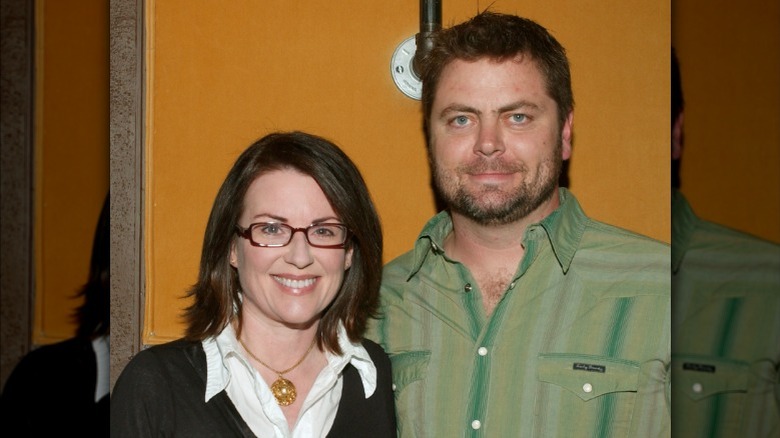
(520, 104)
(458, 108)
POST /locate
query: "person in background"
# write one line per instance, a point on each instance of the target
(725, 319)
(289, 274)
(62, 389)
(515, 314)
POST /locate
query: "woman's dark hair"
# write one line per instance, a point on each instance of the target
(217, 293)
(499, 37)
(94, 316)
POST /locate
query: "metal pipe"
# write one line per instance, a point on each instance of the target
(430, 22)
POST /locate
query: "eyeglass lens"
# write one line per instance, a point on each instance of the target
(281, 234)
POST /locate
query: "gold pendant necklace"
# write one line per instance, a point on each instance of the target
(283, 389)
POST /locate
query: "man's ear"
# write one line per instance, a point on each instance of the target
(677, 136)
(566, 136)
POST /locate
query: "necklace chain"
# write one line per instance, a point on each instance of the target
(280, 373)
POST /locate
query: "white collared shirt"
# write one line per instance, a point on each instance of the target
(228, 369)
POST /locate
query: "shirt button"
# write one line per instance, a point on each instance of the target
(482, 351)
(476, 424)
(467, 288)
(434, 247)
(587, 388)
(697, 388)
(512, 285)
(393, 386)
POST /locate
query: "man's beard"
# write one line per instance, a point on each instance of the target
(491, 204)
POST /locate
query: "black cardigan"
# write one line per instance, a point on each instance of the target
(161, 392)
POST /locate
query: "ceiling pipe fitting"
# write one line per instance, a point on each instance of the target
(430, 22)
(405, 67)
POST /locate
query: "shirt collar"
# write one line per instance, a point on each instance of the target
(564, 228)
(225, 347)
(218, 349)
(356, 355)
(684, 222)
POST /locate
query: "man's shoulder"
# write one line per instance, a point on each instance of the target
(584, 233)
(399, 266)
(599, 234)
(614, 252)
(715, 236)
(748, 259)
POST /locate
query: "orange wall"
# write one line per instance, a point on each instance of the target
(222, 74)
(71, 154)
(730, 62)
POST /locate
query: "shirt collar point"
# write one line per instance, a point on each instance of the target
(356, 355)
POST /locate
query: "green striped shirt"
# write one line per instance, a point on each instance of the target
(577, 347)
(726, 329)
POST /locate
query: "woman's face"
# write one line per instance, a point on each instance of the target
(293, 284)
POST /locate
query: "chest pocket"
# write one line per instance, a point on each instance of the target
(700, 377)
(408, 367)
(732, 397)
(588, 376)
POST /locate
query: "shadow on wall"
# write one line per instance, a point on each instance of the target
(63, 388)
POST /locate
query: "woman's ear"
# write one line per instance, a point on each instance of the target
(233, 255)
(348, 258)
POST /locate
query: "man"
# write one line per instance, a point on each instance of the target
(515, 314)
(726, 319)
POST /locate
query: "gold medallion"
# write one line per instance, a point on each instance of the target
(284, 391)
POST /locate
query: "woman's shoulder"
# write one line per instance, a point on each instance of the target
(173, 369)
(377, 353)
(372, 347)
(161, 359)
(169, 350)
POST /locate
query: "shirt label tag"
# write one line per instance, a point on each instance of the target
(589, 367)
(701, 367)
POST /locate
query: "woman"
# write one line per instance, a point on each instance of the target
(289, 274)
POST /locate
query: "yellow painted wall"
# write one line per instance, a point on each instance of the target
(71, 154)
(222, 74)
(730, 62)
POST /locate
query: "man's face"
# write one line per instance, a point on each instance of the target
(496, 144)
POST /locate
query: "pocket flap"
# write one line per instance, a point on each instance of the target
(408, 367)
(588, 376)
(703, 376)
